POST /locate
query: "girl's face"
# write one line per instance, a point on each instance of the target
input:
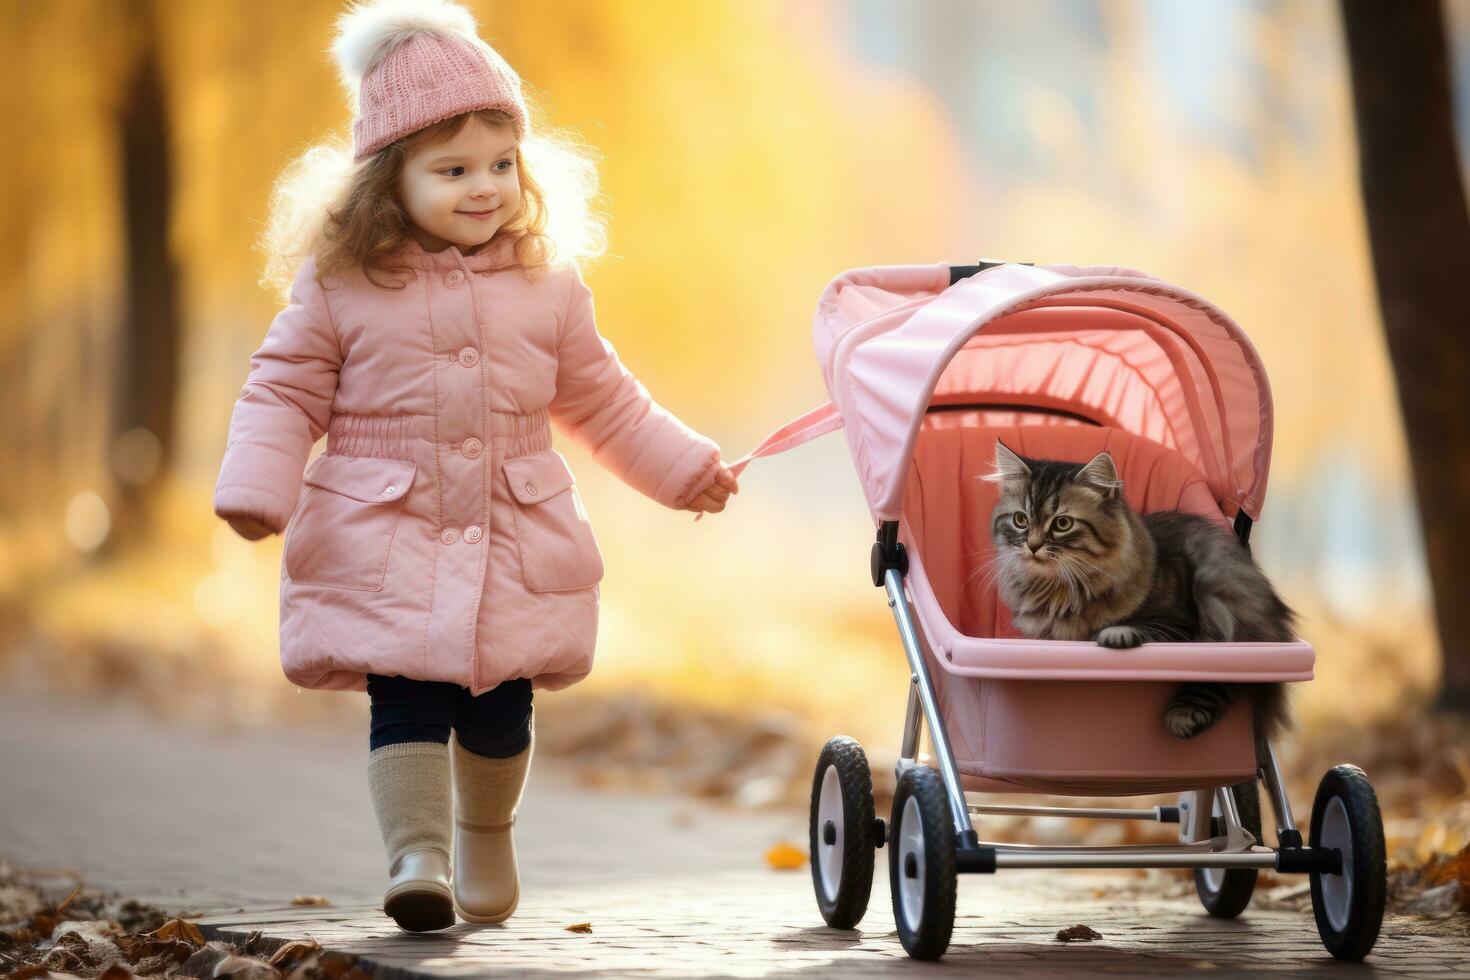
(461, 191)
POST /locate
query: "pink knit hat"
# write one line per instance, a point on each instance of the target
(412, 63)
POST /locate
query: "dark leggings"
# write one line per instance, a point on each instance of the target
(495, 724)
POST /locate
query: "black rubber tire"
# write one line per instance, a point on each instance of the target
(1368, 875)
(1238, 884)
(846, 908)
(928, 938)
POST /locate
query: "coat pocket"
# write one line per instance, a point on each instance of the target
(343, 528)
(559, 553)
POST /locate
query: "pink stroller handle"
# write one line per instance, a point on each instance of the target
(804, 428)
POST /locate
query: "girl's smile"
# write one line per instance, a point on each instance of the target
(462, 190)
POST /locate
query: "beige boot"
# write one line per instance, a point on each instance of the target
(487, 886)
(409, 782)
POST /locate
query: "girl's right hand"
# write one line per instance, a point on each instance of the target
(712, 499)
(249, 528)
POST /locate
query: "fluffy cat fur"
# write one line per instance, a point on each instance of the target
(1077, 563)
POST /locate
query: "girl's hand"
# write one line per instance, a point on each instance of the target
(249, 528)
(712, 499)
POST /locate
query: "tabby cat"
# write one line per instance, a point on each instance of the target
(1075, 562)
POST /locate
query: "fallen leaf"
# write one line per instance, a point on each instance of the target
(1078, 934)
(138, 948)
(179, 929)
(336, 964)
(295, 950)
(786, 857)
(241, 967)
(311, 900)
(115, 971)
(1445, 868)
(580, 927)
(66, 902)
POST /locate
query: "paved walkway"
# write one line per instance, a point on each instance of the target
(236, 823)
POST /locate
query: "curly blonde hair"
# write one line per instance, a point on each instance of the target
(348, 215)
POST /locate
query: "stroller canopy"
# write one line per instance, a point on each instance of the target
(1100, 345)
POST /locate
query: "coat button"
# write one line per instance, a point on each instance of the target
(449, 535)
(469, 357)
(454, 278)
(531, 489)
(472, 533)
(472, 447)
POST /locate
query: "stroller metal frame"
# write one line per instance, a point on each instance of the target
(1236, 848)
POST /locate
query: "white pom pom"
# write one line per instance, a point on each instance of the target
(367, 32)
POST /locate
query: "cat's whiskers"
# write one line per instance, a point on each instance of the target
(995, 565)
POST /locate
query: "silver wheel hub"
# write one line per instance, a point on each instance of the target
(1337, 890)
(830, 828)
(911, 863)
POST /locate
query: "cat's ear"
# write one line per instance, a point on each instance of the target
(1101, 474)
(1008, 466)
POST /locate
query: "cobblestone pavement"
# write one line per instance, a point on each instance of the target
(235, 823)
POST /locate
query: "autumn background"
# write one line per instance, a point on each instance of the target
(752, 151)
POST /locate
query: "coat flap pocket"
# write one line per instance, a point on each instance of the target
(537, 476)
(366, 478)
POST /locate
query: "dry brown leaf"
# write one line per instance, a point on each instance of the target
(580, 927)
(294, 950)
(1445, 868)
(241, 967)
(179, 929)
(138, 948)
(336, 964)
(44, 921)
(311, 900)
(115, 971)
(786, 857)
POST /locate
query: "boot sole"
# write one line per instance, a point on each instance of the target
(420, 909)
(490, 919)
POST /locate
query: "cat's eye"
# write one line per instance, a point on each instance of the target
(1063, 523)
(1019, 519)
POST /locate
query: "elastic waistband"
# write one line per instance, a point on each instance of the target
(521, 434)
(391, 436)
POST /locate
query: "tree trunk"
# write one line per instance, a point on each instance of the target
(1419, 233)
(147, 352)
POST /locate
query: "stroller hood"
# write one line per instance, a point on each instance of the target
(1104, 345)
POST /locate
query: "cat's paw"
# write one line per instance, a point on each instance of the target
(1184, 720)
(1120, 636)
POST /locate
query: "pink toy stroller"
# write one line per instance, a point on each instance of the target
(926, 366)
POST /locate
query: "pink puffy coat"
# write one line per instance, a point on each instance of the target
(440, 536)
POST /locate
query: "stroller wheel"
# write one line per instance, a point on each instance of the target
(843, 832)
(1349, 905)
(921, 864)
(1225, 892)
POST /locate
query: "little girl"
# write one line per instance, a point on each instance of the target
(437, 554)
